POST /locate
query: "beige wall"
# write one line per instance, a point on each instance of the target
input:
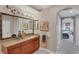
(50, 15)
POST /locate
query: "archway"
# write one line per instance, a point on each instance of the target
(67, 30)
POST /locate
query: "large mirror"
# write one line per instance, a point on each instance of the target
(12, 25)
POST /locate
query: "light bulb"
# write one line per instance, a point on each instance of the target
(71, 11)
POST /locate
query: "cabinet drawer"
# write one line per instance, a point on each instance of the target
(36, 38)
(14, 46)
(27, 42)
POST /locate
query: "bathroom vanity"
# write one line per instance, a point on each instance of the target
(11, 24)
(26, 45)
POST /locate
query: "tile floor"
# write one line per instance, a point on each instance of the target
(68, 47)
(43, 51)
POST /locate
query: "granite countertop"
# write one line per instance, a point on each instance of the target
(13, 41)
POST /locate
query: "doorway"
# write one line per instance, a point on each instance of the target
(67, 31)
(68, 28)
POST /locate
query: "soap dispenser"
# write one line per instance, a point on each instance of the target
(19, 34)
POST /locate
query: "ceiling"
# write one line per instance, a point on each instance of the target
(68, 12)
(39, 7)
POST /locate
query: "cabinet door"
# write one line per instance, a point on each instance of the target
(15, 50)
(36, 44)
(28, 47)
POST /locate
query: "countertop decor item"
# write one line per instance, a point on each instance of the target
(19, 34)
(14, 35)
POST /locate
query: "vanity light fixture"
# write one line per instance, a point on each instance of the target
(8, 7)
(11, 9)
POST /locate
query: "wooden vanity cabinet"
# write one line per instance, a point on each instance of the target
(26, 47)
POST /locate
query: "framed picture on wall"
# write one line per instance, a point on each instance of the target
(67, 24)
(44, 26)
